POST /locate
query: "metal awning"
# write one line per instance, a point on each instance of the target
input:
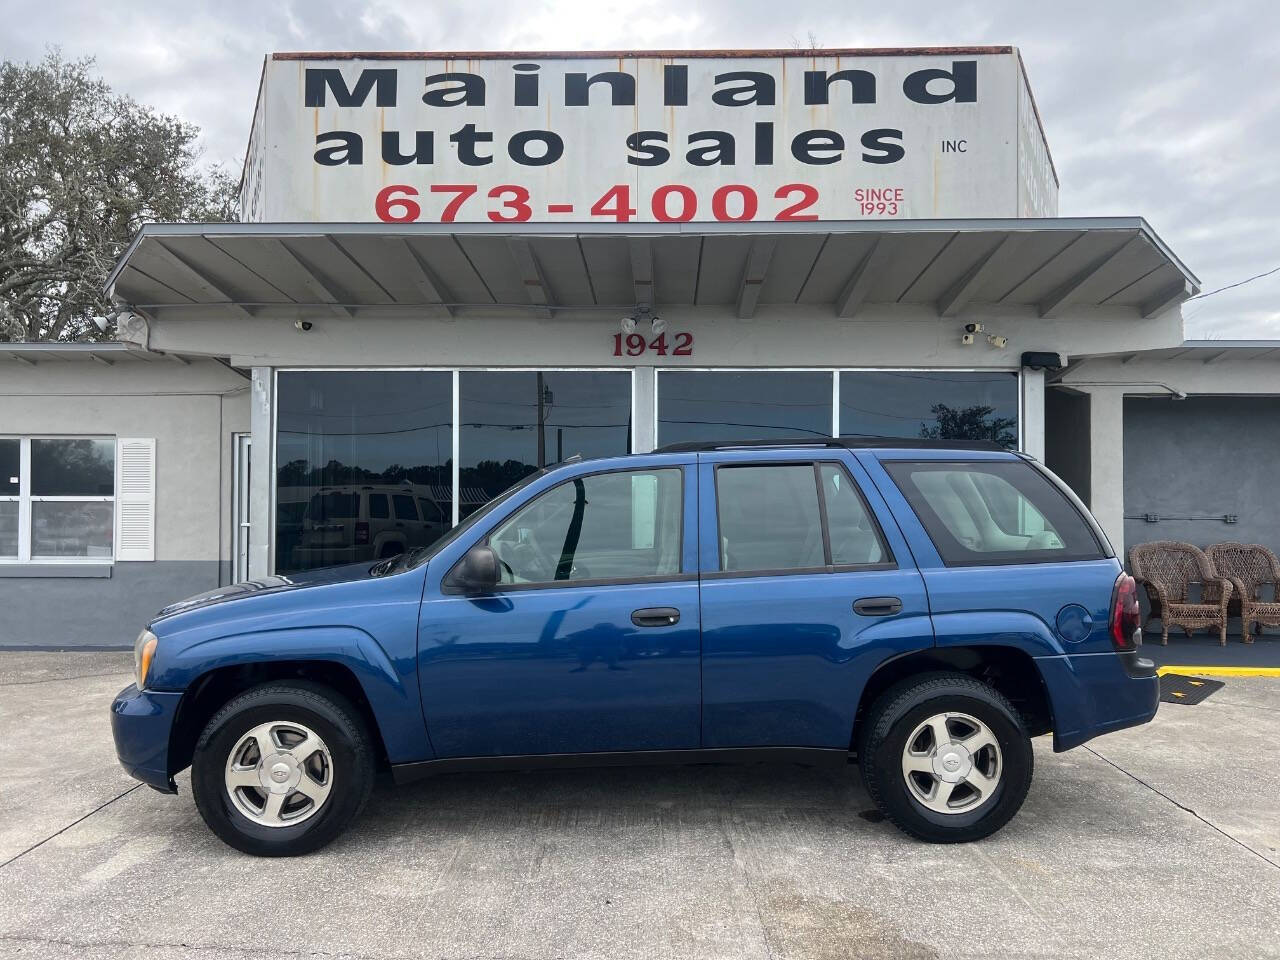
(1049, 265)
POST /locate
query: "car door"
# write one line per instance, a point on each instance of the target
(591, 641)
(807, 585)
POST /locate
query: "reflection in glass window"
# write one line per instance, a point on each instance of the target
(513, 422)
(930, 404)
(346, 441)
(742, 405)
(854, 538)
(608, 526)
(769, 518)
(10, 464)
(8, 528)
(83, 467)
(70, 528)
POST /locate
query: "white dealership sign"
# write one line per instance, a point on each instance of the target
(670, 137)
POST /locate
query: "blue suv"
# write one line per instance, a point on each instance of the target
(925, 608)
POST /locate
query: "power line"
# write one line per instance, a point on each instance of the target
(1239, 283)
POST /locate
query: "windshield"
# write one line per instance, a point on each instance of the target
(423, 554)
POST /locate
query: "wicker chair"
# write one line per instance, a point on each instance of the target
(1166, 569)
(1248, 567)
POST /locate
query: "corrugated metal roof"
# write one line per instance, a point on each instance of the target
(1051, 265)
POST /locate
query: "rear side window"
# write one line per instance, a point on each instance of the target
(769, 518)
(404, 507)
(378, 509)
(994, 511)
(855, 540)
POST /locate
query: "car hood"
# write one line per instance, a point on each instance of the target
(268, 585)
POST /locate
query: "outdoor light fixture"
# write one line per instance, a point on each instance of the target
(659, 325)
(628, 324)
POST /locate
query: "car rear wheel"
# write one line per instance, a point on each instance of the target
(946, 758)
(282, 769)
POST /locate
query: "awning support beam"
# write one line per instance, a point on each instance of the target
(958, 297)
(535, 286)
(753, 276)
(309, 279)
(423, 278)
(1061, 297)
(859, 283)
(1165, 299)
(641, 251)
(199, 278)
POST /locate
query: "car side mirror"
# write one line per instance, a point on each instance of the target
(477, 571)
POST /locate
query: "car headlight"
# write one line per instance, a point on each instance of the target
(144, 648)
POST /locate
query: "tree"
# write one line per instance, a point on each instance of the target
(81, 169)
(970, 423)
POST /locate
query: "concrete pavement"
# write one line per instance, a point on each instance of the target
(1158, 842)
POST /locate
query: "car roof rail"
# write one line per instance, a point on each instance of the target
(837, 443)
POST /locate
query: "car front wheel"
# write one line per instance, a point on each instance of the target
(946, 758)
(282, 769)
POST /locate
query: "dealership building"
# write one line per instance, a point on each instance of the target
(455, 268)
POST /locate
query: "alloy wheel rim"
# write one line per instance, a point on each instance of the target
(279, 774)
(952, 763)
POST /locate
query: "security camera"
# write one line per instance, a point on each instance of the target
(967, 339)
(998, 342)
(628, 324)
(302, 325)
(102, 323)
(973, 328)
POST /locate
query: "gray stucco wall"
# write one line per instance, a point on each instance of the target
(98, 611)
(192, 411)
(1066, 439)
(1202, 456)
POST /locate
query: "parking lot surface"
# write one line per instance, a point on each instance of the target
(1163, 841)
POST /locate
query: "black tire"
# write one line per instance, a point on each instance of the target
(898, 712)
(332, 718)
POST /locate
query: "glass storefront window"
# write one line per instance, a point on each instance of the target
(72, 528)
(347, 441)
(515, 421)
(83, 467)
(10, 464)
(743, 405)
(930, 405)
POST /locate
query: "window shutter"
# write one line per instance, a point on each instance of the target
(135, 499)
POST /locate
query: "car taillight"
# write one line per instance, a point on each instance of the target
(1126, 620)
(362, 531)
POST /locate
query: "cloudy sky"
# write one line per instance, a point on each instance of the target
(1168, 109)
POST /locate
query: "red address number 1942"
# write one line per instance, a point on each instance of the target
(635, 345)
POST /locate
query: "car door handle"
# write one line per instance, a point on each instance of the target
(655, 617)
(877, 606)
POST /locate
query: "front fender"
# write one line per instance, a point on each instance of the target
(395, 705)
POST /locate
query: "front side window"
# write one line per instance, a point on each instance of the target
(608, 526)
(769, 518)
(60, 503)
(994, 512)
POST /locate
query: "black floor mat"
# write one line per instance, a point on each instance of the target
(1188, 691)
